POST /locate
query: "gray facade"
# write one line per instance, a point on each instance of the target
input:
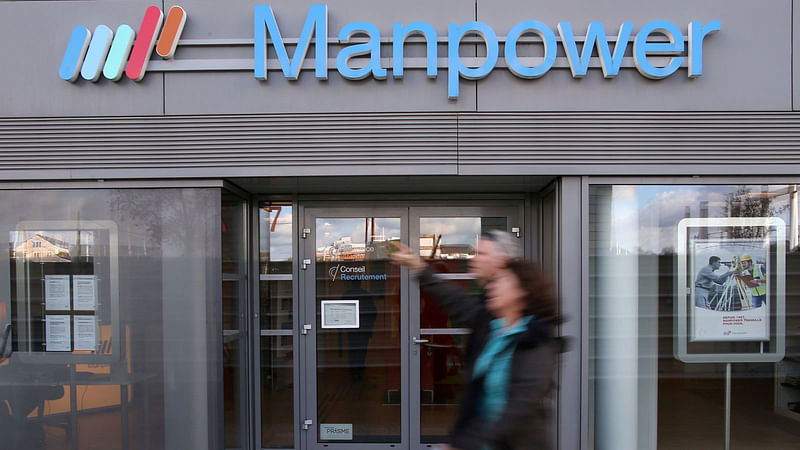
(202, 120)
(190, 123)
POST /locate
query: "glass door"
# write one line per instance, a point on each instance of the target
(447, 238)
(354, 329)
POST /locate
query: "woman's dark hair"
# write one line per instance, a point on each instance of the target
(540, 297)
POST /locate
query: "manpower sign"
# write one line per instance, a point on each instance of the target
(659, 49)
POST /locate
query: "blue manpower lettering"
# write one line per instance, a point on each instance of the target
(373, 48)
(596, 33)
(548, 39)
(455, 69)
(317, 20)
(670, 50)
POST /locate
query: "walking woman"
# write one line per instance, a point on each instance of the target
(510, 358)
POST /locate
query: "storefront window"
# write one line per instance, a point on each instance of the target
(694, 289)
(112, 297)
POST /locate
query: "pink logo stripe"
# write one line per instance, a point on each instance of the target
(145, 40)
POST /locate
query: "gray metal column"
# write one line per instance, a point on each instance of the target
(570, 262)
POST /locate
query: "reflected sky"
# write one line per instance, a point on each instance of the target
(277, 241)
(646, 217)
(454, 230)
(330, 230)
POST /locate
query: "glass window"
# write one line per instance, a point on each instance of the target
(359, 381)
(151, 380)
(447, 243)
(276, 307)
(680, 275)
(234, 296)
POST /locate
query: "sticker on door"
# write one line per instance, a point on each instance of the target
(336, 431)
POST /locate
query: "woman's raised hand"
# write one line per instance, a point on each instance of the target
(404, 256)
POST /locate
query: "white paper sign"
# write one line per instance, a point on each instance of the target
(56, 292)
(57, 333)
(336, 431)
(85, 331)
(340, 314)
(85, 288)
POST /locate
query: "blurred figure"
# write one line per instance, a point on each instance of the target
(495, 249)
(512, 352)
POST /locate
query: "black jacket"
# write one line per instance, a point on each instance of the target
(525, 423)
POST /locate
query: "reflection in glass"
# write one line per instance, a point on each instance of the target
(432, 315)
(642, 395)
(441, 384)
(276, 304)
(358, 369)
(169, 274)
(232, 374)
(233, 236)
(231, 290)
(234, 280)
(276, 308)
(452, 241)
(277, 392)
(60, 277)
(275, 237)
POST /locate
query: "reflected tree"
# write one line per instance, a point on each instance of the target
(745, 203)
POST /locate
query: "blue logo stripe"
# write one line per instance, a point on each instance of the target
(96, 55)
(118, 55)
(76, 49)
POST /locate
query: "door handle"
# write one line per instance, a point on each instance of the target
(418, 341)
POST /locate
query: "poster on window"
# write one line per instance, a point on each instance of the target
(730, 289)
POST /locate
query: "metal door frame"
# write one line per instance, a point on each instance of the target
(410, 211)
(514, 211)
(307, 303)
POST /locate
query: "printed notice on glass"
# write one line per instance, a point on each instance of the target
(56, 292)
(85, 331)
(336, 431)
(85, 289)
(339, 314)
(57, 333)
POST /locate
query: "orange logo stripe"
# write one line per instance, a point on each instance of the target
(171, 33)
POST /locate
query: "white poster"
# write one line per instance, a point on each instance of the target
(85, 288)
(56, 292)
(730, 289)
(57, 333)
(85, 332)
(340, 314)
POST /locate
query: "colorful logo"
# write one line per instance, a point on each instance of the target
(89, 55)
(332, 272)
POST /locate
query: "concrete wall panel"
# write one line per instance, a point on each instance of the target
(34, 37)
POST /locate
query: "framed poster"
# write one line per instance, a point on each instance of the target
(731, 290)
(340, 314)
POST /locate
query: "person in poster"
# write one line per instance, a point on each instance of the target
(753, 276)
(708, 282)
